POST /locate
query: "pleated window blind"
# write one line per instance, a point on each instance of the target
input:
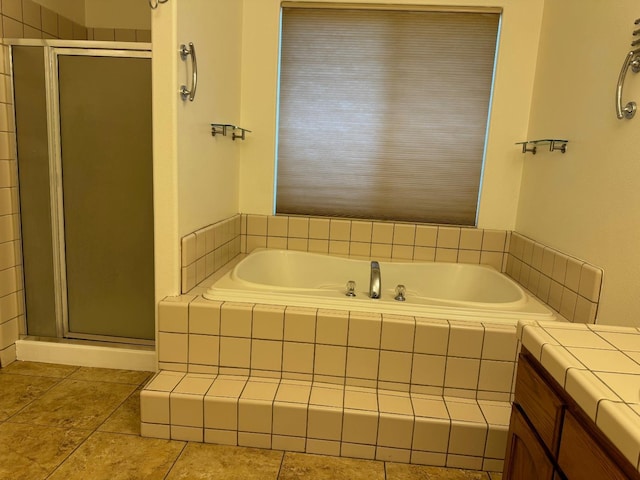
(383, 113)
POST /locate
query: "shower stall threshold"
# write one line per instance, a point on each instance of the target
(87, 354)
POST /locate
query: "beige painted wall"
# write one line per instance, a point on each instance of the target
(195, 174)
(586, 202)
(510, 116)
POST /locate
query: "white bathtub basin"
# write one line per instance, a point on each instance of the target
(450, 290)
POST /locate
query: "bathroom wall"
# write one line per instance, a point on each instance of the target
(513, 89)
(585, 202)
(195, 174)
(29, 19)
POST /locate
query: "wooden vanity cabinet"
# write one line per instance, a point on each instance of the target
(551, 438)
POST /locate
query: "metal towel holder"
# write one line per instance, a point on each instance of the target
(632, 59)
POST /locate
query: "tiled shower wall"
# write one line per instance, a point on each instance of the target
(26, 19)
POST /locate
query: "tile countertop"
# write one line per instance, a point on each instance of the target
(599, 367)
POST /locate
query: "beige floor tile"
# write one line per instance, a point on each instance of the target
(32, 453)
(399, 471)
(132, 377)
(75, 404)
(18, 391)
(298, 466)
(112, 456)
(126, 418)
(202, 461)
(40, 369)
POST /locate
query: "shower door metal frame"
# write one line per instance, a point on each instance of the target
(52, 50)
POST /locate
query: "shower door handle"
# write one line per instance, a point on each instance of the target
(186, 51)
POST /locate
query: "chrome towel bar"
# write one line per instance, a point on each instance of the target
(185, 51)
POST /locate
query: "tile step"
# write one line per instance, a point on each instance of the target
(324, 418)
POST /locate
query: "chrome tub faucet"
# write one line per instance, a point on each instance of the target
(375, 283)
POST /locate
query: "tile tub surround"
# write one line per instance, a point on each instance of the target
(568, 285)
(278, 375)
(207, 250)
(599, 367)
(381, 240)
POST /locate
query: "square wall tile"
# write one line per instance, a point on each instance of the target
(467, 439)
(173, 347)
(494, 240)
(289, 419)
(268, 322)
(496, 376)
(204, 349)
(395, 367)
(471, 239)
(204, 316)
(382, 233)
(298, 227)
(364, 330)
(448, 237)
(428, 370)
(431, 434)
(361, 231)
(173, 314)
(432, 336)
(300, 324)
(462, 373)
(235, 319)
(500, 344)
(266, 355)
(362, 363)
(324, 423)
(235, 352)
(465, 341)
(332, 327)
(359, 426)
(257, 225)
(397, 333)
(590, 282)
(319, 229)
(277, 226)
(186, 410)
(404, 234)
(254, 416)
(426, 236)
(298, 357)
(330, 360)
(395, 431)
(340, 230)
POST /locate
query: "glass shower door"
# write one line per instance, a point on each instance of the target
(107, 192)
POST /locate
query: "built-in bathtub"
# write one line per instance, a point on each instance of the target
(444, 290)
(275, 355)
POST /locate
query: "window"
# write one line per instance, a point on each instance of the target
(383, 113)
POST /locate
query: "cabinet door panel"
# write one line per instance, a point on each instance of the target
(526, 459)
(581, 457)
(544, 408)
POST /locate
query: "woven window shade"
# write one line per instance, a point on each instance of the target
(383, 113)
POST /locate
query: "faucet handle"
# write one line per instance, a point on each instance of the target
(351, 289)
(400, 293)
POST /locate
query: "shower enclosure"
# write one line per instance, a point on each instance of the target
(84, 146)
